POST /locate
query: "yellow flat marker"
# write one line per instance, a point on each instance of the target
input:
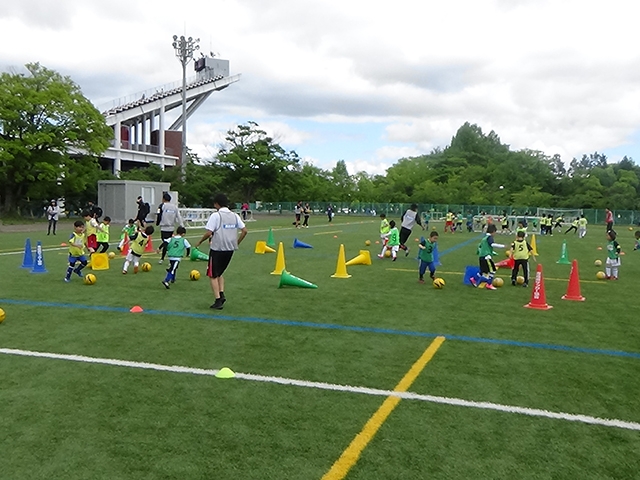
(351, 455)
(326, 233)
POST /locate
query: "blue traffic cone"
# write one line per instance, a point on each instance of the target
(38, 265)
(27, 260)
(298, 244)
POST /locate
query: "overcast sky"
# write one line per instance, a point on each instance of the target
(367, 82)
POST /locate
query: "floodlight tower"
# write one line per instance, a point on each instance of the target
(184, 48)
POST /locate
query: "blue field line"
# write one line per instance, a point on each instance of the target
(460, 245)
(332, 326)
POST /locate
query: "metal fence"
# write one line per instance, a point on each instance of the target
(437, 211)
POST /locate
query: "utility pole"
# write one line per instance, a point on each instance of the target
(184, 48)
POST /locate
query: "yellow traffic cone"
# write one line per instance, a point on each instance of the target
(364, 258)
(534, 247)
(279, 261)
(262, 248)
(341, 268)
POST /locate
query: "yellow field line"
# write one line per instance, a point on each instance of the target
(325, 233)
(350, 456)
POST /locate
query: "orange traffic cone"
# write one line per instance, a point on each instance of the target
(125, 245)
(538, 295)
(149, 247)
(573, 289)
(509, 263)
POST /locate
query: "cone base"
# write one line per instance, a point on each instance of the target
(563, 262)
(340, 276)
(574, 298)
(538, 307)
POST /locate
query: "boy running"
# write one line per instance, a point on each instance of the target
(384, 233)
(393, 242)
(485, 252)
(427, 246)
(77, 242)
(521, 251)
(139, 241)
(582, 226)
(128, 231)
(176, 248)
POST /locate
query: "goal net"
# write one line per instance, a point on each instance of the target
(568, 214)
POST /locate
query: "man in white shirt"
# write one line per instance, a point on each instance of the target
(222, 228)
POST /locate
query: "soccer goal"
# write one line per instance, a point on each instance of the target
(568, 214)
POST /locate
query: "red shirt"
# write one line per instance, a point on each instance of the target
(609, 216)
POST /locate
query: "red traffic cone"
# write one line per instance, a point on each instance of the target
(149, 247)
(509, 263)
(125, 245)
(538, 296)
(573, 289)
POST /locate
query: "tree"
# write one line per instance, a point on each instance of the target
(47, 126)
(254, 160)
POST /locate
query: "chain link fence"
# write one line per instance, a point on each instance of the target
(436, 211)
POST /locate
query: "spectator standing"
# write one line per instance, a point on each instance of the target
(608, 218)
(330, 212)
(53, 214)
(143, 210)
(306, 211)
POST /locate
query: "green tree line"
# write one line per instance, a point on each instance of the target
(45, 122)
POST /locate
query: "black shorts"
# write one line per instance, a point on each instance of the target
(487, 266)
(405, 233)
(218, 262)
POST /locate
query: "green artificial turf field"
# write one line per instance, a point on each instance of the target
(90, 390)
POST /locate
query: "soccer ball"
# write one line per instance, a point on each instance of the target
(597, 263)
(631, 229)
(520, 280)
(146, 266)
(508, 253)
(600, 276)
(112, 255)
(387, 253)
(438, 283)
(2, 315)
(367, 242)
(194, 275)
(89, 279)
(498, 282)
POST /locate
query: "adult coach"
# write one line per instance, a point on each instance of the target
(222, 228)
(168, 216)
(409, 219)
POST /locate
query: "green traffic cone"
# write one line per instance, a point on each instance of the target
(198, 255)
(286, 279)
(564, 255)
(270, 240)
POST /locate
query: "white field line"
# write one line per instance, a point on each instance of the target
(534, 412)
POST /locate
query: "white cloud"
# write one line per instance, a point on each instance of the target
(562, 77)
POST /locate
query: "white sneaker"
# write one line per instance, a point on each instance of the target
(159, 262)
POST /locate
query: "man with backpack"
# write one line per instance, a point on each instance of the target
(143, 211)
